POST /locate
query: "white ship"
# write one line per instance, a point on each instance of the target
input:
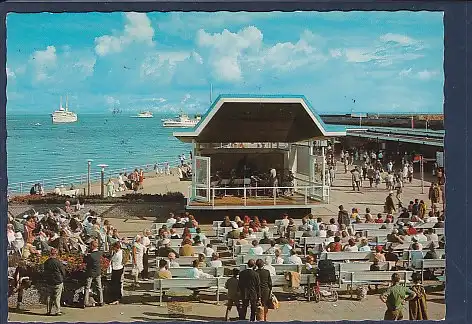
(183, 121)
(63, 115)
(144, 114)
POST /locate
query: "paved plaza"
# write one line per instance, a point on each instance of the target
(142, 304)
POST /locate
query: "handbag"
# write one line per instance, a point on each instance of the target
(273, 302)
(134, 271)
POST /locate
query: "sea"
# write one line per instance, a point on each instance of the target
(40, 151)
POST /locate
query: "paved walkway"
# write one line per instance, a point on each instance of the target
(141, 306)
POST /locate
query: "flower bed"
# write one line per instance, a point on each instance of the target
(97, 199)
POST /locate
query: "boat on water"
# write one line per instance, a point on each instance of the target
(144, 114)
(63, 115)
(181, 121)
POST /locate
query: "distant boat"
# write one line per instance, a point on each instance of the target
(63, 116)
(37, 124)
(144, 114)
(181, 121)
(116, 111)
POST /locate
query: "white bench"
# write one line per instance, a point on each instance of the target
(373, 277)
(317, 242)
(280, 268)
(439, 231)
(182, 272)
(342, 256)
(244, 249)
(183, 260)
(70, 193)
(432, 264)
(370, 226)
(377, 232)
(161, 285)
(406, 256)
(344, 268)
(424, 225)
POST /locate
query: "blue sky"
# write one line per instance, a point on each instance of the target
(384, 61)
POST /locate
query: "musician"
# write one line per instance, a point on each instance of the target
(273, 182)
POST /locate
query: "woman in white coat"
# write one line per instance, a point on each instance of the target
(138, 255)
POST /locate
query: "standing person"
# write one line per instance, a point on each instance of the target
(138, 256)
(94, 273)
(399, 188)
(418, 309)
(234, 298)
(116, 273)
(265, 284)
(141, 179)
(273, 181)
(410, 172)
(394, 298)
(332, 175)
(389, 204)
(22, 282)
(346, 162)
(146, 242)
(250, 288)
(434, 193)
(54, 273)
(356, 179)
(343, 216)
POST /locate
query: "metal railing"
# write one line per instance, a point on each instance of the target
(81, 179)
(248, 195)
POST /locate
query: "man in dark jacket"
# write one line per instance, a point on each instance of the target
(93, 272)
(54, 274)
(343, 216)
(250, 288)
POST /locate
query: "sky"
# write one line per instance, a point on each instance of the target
(343, 62)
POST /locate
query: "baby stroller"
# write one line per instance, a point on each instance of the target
(325, 284)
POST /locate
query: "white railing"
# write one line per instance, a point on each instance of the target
(81, 179)
(302, 195)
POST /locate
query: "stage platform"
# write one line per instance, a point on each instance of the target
(260, 202)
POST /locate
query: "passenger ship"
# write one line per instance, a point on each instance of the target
(181, 121)
(63, 115)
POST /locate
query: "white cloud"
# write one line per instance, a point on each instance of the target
(335, 53)
(10, 73)
(111, 101)
(227, 49)
(397, 38)
(426, 75)
(405, 72)
(163, 63)
(44, 61)
(197, 57)
(137, 29)
(357, 55)
(86, 65)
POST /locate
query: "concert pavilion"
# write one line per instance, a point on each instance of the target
(241, 138)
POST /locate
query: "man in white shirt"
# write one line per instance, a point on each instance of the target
(390, 166)
(431, 236)
(278, 258)
(215, 261)
(256, 249)
(171, 220)
(420, 237)
(294, 258)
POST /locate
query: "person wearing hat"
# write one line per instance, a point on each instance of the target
(165, 249)
(54, 273)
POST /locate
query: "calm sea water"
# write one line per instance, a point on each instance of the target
(49, 151)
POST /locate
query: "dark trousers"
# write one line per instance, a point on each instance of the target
(115, 285)
(246, 303)
(145, 272)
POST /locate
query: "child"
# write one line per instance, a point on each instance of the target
(417, 306)
(233, 293)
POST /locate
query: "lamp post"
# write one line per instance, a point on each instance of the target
(89, 164)
(102, 179)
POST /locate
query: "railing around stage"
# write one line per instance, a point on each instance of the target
(254, 196)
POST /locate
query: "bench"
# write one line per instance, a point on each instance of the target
(244, 249)
(279, 268)
(70, 193)
(370, 226)
(406, 256)
(342, 256)
(373, 277)
(343, 268)
(432, 264)
(182, 272)
(183, 260)
(313, 241)
(161, 285)
(439, 231)
(377, 232)
(424, 225)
